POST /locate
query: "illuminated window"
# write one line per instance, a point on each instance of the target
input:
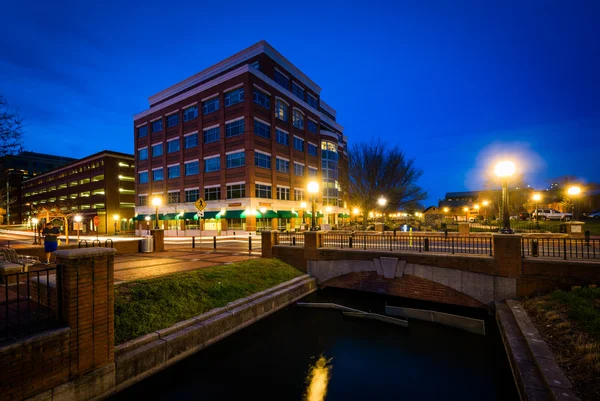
(281, 110)
(299, 195)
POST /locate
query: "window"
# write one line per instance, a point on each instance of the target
(262, 99)
(212, 164)
(212, 135)
(210, 106)
(192, 195)
(190, 113)
(191, 140)
(173, 146)
(173, 120)
(311, 100)
(298, 169)
(173, 171)
(235, 159)
(262, 191)
(213, 193)
(142, 131)
(157, 175)
(312, 126)
(236, 191)
(297, 90)
(234, 97)
(299, 144)
(299, 195)
(143, 177)
(283, 193)
(282, 137)
(262, 160)
(235, 128)
(262, 129)
(143, 154)
(173, 197)
(142, 200)
(281, 110)
(157, 125)
(312, 172)
(282, 79)
(157, 150)
(298, 119)
(281, 165)
(312, 149)
(192, 168)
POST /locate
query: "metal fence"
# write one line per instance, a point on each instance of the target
(522, 226)
(27, 304)
(293, 239)
(563, 248)
(451, 244)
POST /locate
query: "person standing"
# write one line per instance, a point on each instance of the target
(50, 234)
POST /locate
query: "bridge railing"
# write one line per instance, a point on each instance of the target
(450, 244)
(291, 238)
(561, 248)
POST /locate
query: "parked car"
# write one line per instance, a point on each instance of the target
(593, 215)
(551, 214)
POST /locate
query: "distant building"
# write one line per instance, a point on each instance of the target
(14, 169)
(102, 185)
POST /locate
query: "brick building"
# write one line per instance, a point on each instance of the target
(102, 184)
(246, 134)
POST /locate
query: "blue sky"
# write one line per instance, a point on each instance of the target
(455, 84)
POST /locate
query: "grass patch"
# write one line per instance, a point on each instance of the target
(145, 306)
(582, 305)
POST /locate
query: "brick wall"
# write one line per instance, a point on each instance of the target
(291, 255)
(406, 286)
(34, 365)
(121, 247)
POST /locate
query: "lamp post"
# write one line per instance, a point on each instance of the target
(382, 202)
(477, 209)
(147, 218)
(328, 210)
(156, 201)
(536, 198)
(485, 205)
(573, 191)
(466, 210)
(263, 210)
(35, 230)
(115, 219)
(78, 221)
(313, 188)
(504, 170)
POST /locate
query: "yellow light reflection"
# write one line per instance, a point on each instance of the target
(318, 380)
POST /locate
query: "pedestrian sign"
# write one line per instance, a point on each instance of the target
(200, 204)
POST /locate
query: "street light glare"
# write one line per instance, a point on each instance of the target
(302, 205)
(382, 201)
(485, 203)
(78, 218)
(537, 197)
(574, 190)
(505, 168)
(355, 211)
(465, 209)
(156, 201)
(313, 187)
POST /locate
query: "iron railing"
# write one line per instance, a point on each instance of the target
(29, 302)
(563, 248)
(293, 239)
(450, 244)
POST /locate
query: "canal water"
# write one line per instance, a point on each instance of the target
(302, 350)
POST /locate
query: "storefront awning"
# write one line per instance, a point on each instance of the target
(269, 214)
(139, 217)
(234, 214)
(210, 215)
(286, 214)
(189, 216)
(309, 214)
(168, 216)
(343, 215)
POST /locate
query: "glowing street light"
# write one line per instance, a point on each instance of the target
(313, 188)
(156, 201)
(504, 170)
(78, 221)
(382, 202)
(536, 198)
(573, 191)
(35, 225)
(263, 211)
(466, 210)
(147, 218)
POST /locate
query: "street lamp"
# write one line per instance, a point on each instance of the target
(115, 218)
(477, 209)
(382, 202)
(147, 218)
(78, 221)
(504, 170)
(466, 210)
(35, 230)
(573, 191)
(156, 201)
(313, 188)
(536, 199)
(263, 210)
(485, 205)
(328, 210)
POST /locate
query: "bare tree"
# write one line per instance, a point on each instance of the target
(377, 169)
(62, 210)
(11, 130)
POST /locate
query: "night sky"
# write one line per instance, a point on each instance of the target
(455, 84)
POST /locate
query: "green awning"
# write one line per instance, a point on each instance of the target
(286, 214)
(319, 214)
(210, 215)
(269, 214)
(140, 217)
(343, 215)
(188, 215)
(309, 214)
(167, 216)
(234, 214)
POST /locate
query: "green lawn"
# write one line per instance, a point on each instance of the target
(145, 306)
(582, 305)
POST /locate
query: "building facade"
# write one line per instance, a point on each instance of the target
(14, 169)
(246, 135)
(102, 185)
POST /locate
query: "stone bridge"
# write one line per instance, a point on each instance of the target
(467, 280)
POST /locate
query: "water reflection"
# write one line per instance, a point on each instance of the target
(318, 379)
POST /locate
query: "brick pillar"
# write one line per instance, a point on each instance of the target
(507, 255)
(88, 306)
(464, 229)
(250, 223)
(159, 240)
(312, 242)
(575, 229)
(274, 222)
(268, 239)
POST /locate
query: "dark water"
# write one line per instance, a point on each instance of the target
(370, 360)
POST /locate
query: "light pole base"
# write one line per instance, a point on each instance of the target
(507, 230)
